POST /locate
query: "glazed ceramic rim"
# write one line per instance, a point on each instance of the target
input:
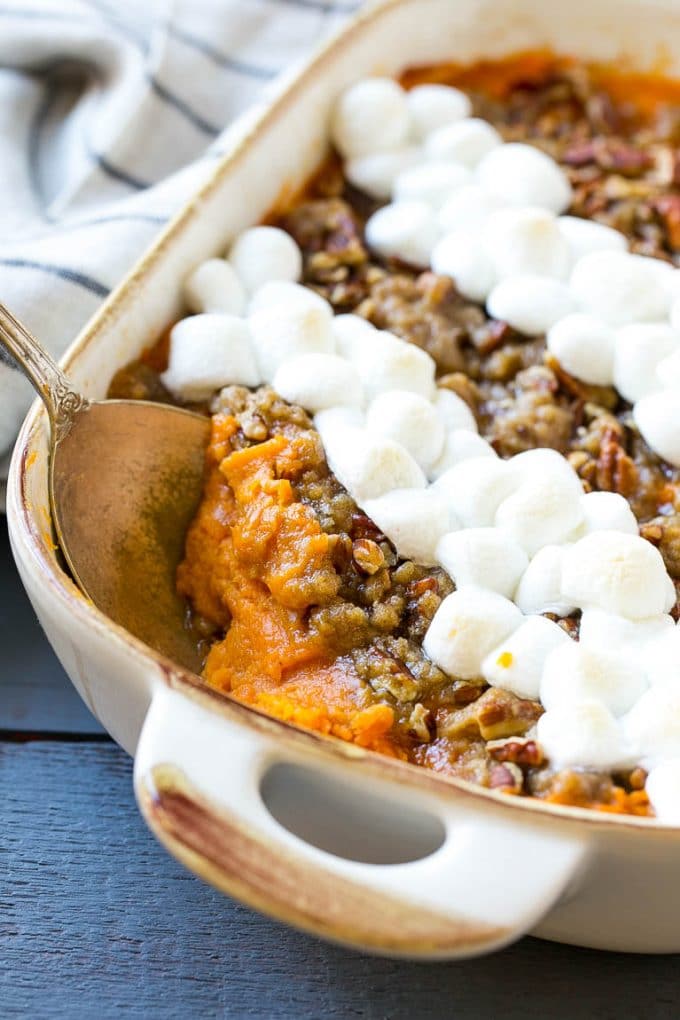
(33, 532)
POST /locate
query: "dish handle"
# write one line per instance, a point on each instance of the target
(340, 843)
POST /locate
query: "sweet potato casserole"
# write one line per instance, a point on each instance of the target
(305, 606)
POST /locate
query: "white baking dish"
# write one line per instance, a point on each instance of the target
(447, 869)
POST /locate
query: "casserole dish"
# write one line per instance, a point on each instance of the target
(365, 850)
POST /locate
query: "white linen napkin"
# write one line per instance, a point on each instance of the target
(111, 111)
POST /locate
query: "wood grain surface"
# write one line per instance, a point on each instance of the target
(97, 921)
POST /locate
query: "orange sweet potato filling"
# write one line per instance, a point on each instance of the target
(248, 549)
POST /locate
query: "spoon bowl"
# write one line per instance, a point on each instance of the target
(125, 481)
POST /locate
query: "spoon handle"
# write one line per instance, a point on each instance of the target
(63, 403)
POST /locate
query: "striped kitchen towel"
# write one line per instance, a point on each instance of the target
(111, 112)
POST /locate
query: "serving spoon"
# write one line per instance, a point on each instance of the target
(125, 479)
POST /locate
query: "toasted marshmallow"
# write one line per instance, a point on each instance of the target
(639, 349)
(526, 240)
(280, 292)
(467, 626)
(430, 182)
(459, 445)
(404, 230)
(483, 557)
(657, 416)
(367, 465)
(530, 303)
(214, 287)
(371, 116)
(411, 420)
(583, 735)
(663, 789)
(376, 173)
(463, 257)
(466, 141)
(454, 411)
(584, 346)
(653, 725)
(352, 333)
(467, 209)
(584, 236)
(433, 106)
(261, 254)
(474, 489)
(523, 175)
(286, 331)
(387, 363)
(540, 587)
(542, 512)
(607, 511)
(621, 573)
(318, 381)
(208, 352)
(580, 672)
(516, 664)
(620, 288)
(413, 519)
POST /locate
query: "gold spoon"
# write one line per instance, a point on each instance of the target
(125, 481)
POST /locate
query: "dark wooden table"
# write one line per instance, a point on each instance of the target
(97, 921)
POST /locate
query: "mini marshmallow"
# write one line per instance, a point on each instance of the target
(286, 331)
(657, 416)
(636, 639)
(265, 253)
(523, 175)
(526, 240)
(668, 370)
(318, 381)
(516, 664)
(675, 314)
(467, 626)
(214, 287)
(474, 488)
(621, 573)
(463, 257)
(329, 421)
(541, 512)
(430, 182)
(455, 412)
(368, 466)
(543, 462)
(578, 672)
(352, 333)
(279, 292)
(584, 735)
(530, 303)
(433, 106)
(584, 236)
(540, 588)
(413, 519)
(653, 725)
(662, 660)
(387, 363)
(639, 349)
(607, 511)
(207, 352)
(467, 209)
(376, 173)
(483, 557)
(404, 230)
(663, 789)
(460, 444)
(584, 346)
(620, 288)
(465, 141)
(411, 420)
(371, 116)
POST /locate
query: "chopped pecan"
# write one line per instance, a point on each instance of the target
(520, 750)
(507, 777)
(616, 471)
(497, 713)
(421, 723)
(368, 555)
